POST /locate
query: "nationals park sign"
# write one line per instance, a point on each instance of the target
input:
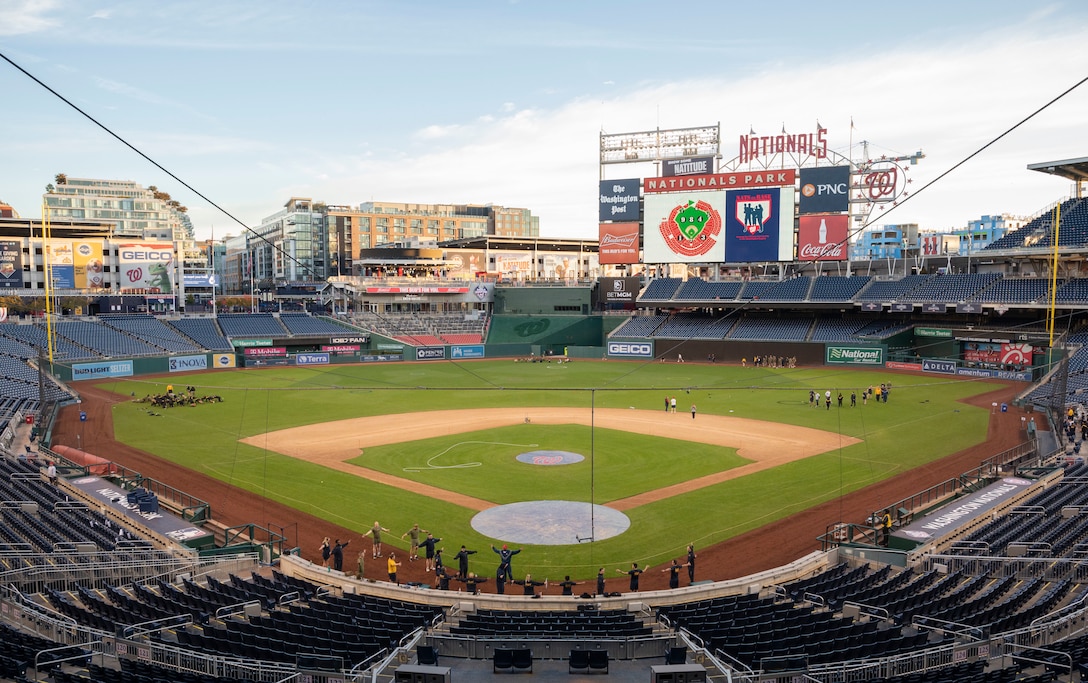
(854, 355)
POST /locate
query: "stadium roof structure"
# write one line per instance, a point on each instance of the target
(1073, 169)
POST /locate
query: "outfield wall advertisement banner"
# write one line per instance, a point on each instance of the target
(81, 371)
(619, 200)
(944, 367)
(689, 166)
(684, 228)
(312, 359)
(631, 349)
(618, 242)
(188, 363)
(721, 181)
(825, 190)
(854, 355)
(146, 267)
(822, 237)
(430, 353)
(467, 351)
(265, 351)
(224, 360)
(759, 225)
(11, 263)
(87, 265)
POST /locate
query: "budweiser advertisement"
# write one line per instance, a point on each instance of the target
(619, 243)
(822, 237)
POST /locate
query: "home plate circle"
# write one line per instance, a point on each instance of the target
(550, 457)
(550, 522)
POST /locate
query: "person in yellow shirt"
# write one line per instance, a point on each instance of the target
(391, 565)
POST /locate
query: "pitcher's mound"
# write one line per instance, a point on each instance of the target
(550, 457)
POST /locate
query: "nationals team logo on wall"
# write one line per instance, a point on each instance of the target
(692, 228)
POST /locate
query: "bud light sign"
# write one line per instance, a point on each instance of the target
(631, 349)
(854, 355)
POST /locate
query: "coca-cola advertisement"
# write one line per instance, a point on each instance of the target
(823, 237)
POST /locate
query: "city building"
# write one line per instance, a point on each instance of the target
(888, 241)
(135, 211)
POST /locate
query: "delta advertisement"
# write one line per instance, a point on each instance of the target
(618, 243)
(11, 263)
(619, 200)
(825, 190)
(59, 256)
(822, 237)
(87, 265)
(685, 227)
(759, 225)
(146, 268)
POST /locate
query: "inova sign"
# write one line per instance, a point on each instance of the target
(854, 355)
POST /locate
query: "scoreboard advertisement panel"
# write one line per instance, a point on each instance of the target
(684, 227)
(759, 224)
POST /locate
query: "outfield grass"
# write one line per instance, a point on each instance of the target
(922, 421)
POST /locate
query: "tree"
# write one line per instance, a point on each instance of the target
(60, 179)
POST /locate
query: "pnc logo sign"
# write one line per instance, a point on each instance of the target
(824, 190)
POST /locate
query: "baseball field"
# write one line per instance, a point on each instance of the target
(438, 443)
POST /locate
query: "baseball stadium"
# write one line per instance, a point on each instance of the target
(737, 456)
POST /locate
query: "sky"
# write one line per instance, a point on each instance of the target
(503, 102)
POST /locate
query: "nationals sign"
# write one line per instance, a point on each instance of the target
(822, 237)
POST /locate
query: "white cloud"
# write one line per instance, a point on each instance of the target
(26, 16)
(101, 14)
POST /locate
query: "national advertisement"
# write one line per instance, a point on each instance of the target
(11, 263)
(117, 368)
(825, 189)
(619, 200)
(618, 243)
(188, 363)
(822, 237)
(854, 355)
(759, 225)
(87, 265)
(146, 267)
(684, 228)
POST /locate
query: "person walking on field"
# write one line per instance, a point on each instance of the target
(693, 411)
(672, 404)
(376, 538)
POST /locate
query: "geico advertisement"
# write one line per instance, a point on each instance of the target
(147, 267)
